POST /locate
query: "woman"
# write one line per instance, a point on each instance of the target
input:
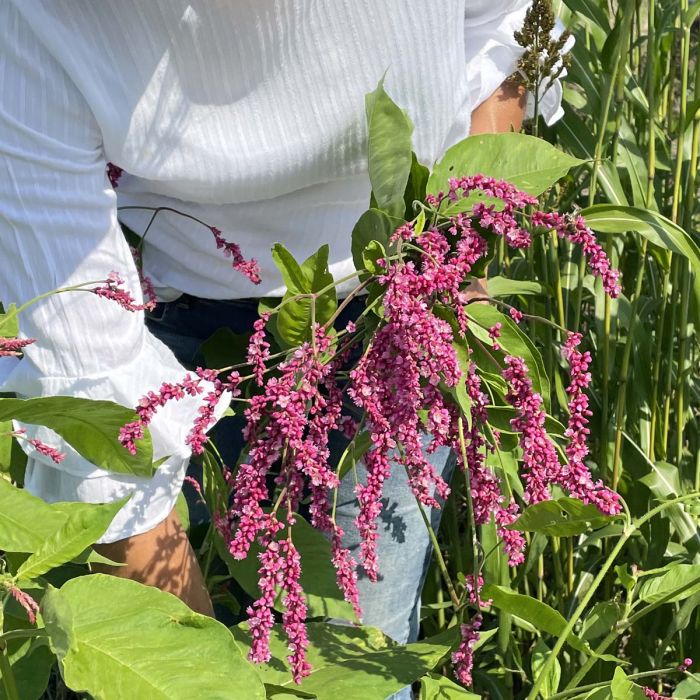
(249, 115)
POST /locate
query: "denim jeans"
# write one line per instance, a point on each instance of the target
(404, 548)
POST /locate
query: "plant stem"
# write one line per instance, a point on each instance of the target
(8, 676)
(439, 558)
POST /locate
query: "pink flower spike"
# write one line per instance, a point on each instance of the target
(47, 450)
(463, 658)
(12, 347)
(26, 601)
(575, 476)
(249, 268)
(515, 314)
(112, 290)
(259, 349)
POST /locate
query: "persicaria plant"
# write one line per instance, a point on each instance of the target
(425, 356)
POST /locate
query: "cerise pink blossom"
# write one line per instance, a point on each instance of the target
(463, 658)
(575, 476)
(249, 268)
(30, 606)
(111, 289)
(12, 347)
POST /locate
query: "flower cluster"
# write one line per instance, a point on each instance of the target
(111, 289)
(26, 601)
(51, 452)
(189, 386)
(405, 383)
(249, 268)
(12, 347)
(574, 229)
(575, 476)
(463, 658)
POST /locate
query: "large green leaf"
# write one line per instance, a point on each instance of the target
(116, 638)
(295, 316)
(680, 581)
(373, 225)
(318, 577)
(82, 528)
(538, 614)
(27, 522)
(90, 427)
(529, 163)
(656, 228)
(353, 663)
(562, 517)
(389, 154)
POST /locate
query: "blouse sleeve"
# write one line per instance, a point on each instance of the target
(492, 52)
(58, 227)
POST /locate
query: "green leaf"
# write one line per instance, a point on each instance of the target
(513, 341)
(434, 686)
(688, 688)
(389, 154)
(355, 663)
(354, 452)
(81, 529)
(538, 614)
(9, 322)
(505, 287)
(500, 417)
(116, 638)
(373, 225)
(31, 667)
(90, 427)
(562, 517)
(318, 577)
(529, 163)
(295, 316)
(679, 582)
(415, 187)
(371, 256)
(600, 620)
(27, 522)
(539, 657)
(6, 441)
(622, 688)
(656, 228)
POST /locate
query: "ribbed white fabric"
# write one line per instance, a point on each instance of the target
(248, 114)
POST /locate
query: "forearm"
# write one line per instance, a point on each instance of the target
(502, 111)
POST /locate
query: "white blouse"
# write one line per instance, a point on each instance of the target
(248, 114)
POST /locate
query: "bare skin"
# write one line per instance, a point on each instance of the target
(502, 111)
(163, 557)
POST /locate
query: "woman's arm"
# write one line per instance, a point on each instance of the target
(502, 111)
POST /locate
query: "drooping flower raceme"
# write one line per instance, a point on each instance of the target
(412, 366)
